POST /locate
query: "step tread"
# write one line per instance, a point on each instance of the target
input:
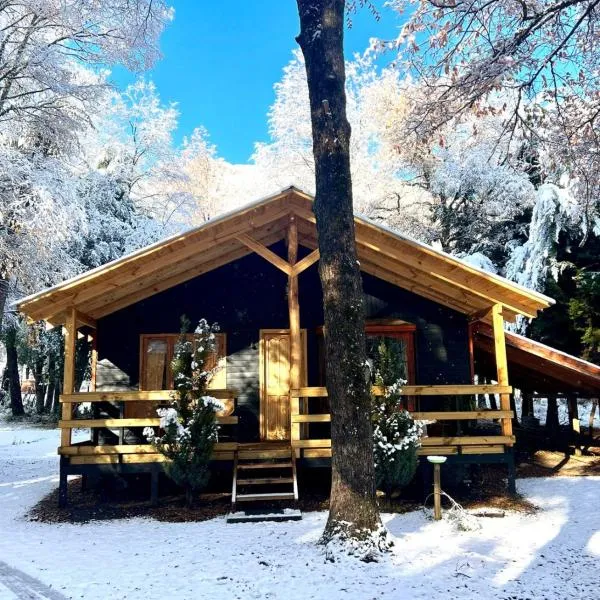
(265, 465)
(265, 480)
(271, 496)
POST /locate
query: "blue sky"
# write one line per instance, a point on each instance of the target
(221, 60)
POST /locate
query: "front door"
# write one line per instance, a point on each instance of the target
(275, 382)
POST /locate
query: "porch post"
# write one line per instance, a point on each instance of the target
(69, 372)
(294, 316)
(501, 363)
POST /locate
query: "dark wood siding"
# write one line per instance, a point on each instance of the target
(249, 295)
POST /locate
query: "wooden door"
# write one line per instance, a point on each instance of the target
(275, 382)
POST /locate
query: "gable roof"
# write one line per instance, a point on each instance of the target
(533, 366)
(382, 252)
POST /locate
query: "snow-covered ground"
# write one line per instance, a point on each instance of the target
(552, 554)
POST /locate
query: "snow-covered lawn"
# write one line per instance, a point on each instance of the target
(552, 554)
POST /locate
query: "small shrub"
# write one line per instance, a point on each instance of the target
(396, 439)
(188, 426)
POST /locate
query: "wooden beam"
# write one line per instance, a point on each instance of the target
(178, 274)
(306, 262)
(434, 265)
(141, 422)
(139, 396)
(69, 372)
(480, 314)
(314, 418)
(294, 318)
(501, 363)
(86, 320)
(267, 254)
(461, 415)
(415, 390)
(468, 440)
(74, 291)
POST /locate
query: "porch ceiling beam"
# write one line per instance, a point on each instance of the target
(425, 283)
(406, 282)
(267, 254)
(480, 314)
(86, 320)
(306, 262)
(208, 260)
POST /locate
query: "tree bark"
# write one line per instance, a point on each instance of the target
(353, 510)
(40, 388)
(4, 288)
(51, 383)
(12, 368)
(552, 425)
(526, 404)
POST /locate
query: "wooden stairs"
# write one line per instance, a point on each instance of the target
(262, 474)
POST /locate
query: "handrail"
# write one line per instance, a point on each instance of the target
(415, 390)
(138, 396)
(130, 422)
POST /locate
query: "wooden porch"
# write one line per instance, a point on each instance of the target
(304, 444)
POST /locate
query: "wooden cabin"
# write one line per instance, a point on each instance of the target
(254, 272)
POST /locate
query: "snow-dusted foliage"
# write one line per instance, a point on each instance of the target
(188, 428)
(53, 86)
(396, 439)
(45, 45)
(378, 184)
(554, 212)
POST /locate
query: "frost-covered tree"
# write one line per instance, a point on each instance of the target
(541, 55)
(379, 184)
(51, 56)
(188, 429)
(44, 46)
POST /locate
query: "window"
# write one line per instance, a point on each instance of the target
(156, 353)
(390, 347)
(391, 337)
(391, 353)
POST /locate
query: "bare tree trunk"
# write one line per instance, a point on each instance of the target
(51, 384)
(526, 404)
(3, 297)
(592, 415)
(353, 510)
(56, 402)
(12, 369)
(552, 425)
(40, 388)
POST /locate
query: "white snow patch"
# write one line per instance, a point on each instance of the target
(551, 554)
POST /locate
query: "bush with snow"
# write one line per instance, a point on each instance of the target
(396, 439)
(188, 427)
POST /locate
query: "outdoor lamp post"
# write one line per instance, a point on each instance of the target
(436, 461)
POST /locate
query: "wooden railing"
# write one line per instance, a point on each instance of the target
(465, 444)
(109, 453)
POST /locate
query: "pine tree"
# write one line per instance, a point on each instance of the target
(189, 426)
(396, 437)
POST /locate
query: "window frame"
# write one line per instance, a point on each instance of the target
(171, 340)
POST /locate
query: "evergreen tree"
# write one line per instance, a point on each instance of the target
(396, 437)
(189, 428)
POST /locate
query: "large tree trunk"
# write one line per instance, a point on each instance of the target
(12, 369)
(353, 510)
